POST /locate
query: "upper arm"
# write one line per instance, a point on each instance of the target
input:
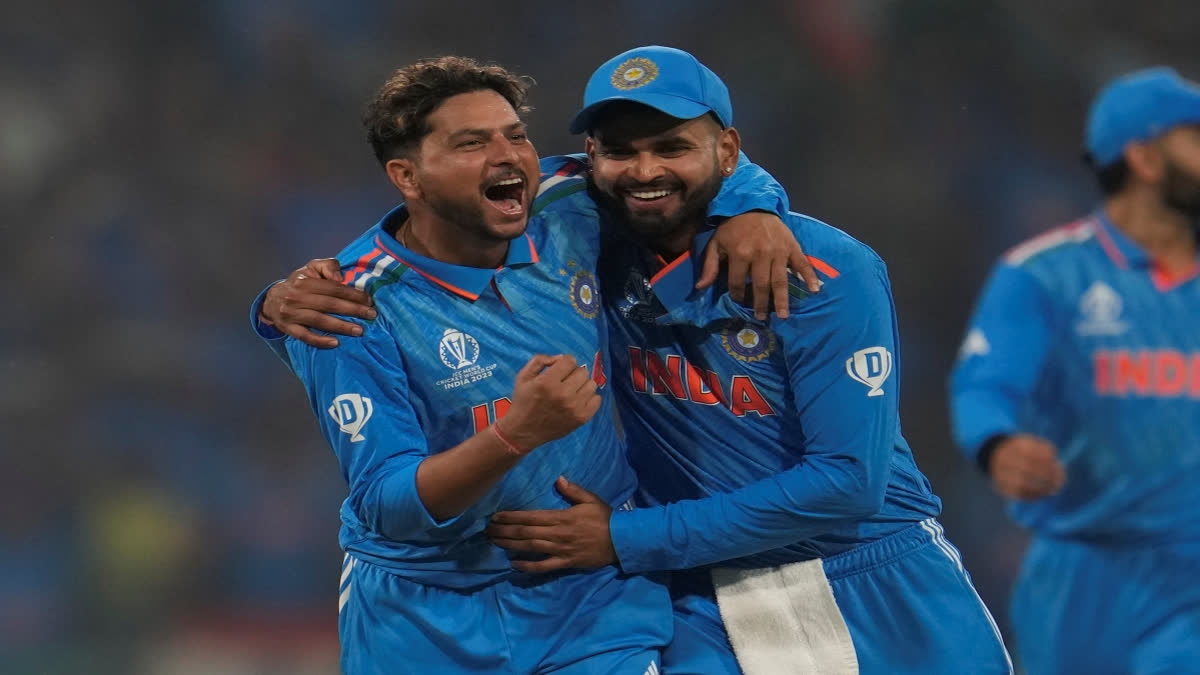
(1002, 355)
(360, 395)
(749, 188)
(842, 354)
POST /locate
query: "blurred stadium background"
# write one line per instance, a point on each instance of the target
(168, 504)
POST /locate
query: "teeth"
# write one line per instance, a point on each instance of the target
(510, 181)
(654, 194)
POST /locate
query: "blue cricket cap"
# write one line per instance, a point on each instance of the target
(1137, 107)
(667, 79)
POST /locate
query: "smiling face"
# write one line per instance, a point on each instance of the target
(475, 171)
(659, 172)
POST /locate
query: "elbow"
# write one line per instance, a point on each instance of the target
(865, 493)
(395, 519)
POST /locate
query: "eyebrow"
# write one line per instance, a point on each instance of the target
(483, 133)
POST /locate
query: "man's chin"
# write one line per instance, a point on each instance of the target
(507, 229)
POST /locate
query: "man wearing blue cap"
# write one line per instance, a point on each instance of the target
(773, 477)
(1078, 391)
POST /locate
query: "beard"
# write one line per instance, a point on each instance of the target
(1181, 191)
(656, 226)
(467, 216)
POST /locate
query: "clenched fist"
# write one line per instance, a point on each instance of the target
(1026, 467)
(552, 396)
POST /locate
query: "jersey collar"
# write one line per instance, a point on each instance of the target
(1126, 254)
(467, 282)
(675, 283)
(1122, 250)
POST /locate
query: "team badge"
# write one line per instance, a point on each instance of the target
(457, 349)
(748, 343)
(584, 294)
(634, 73)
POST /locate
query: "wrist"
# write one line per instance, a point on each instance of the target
(511, 445)
(984, 457)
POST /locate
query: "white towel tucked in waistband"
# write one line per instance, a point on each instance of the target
(784, 620)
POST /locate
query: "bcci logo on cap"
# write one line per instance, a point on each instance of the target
(871, 367)
(457, 349)
(351, 412)
(634, 73)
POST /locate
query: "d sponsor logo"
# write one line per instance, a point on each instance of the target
(351, 412)
(871, 367)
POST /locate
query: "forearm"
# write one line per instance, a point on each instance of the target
(798, 504)
(450, 482)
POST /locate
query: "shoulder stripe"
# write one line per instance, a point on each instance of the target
(824, 267)
(360, 266)
(376, 272)
(1078, 231)
(565, 188)
(798, 289)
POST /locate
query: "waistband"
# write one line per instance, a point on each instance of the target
(892, 547)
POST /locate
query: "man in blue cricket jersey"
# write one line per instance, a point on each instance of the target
(446, 409)
(1078, 391)
(773, 475)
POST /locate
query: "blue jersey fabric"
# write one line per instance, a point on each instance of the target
(1078, 337)
(758, 443)
(438, 365)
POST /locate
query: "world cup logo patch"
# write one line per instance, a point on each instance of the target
(457, 349)
(584, 294)
(634, 73)
(748, 343)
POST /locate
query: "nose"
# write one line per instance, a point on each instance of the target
(502, 151)
(645, 167)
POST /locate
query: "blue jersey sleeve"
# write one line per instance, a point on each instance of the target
(268, 334)
(749, 188)
(1001, 357)
(840, 346)
(359, 393)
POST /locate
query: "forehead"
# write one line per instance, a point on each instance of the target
(483, 109)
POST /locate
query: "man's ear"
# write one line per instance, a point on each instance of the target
(403, 174)
(1145, 161)
(729, 145)
(589, 147)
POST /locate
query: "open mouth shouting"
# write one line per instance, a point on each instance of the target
(507, 195)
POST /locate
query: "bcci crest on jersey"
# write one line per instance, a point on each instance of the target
(871, 367)
(459, 352)
(748, 343)
(584, 294)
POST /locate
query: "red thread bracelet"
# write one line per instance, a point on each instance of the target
(509, 445)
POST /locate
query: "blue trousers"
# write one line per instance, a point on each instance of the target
(906, 599)
(1097, 609)
(599, 621)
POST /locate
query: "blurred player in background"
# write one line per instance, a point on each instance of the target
(446, 409)
(1078, 391)
(769, 453)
